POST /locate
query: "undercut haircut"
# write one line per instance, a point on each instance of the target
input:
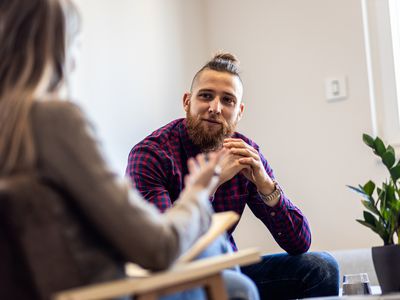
(221, 62)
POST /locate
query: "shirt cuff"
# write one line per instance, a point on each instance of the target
(279, 209)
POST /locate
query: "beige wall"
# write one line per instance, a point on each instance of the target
(139, 57)
(287, 48)
(134, 67)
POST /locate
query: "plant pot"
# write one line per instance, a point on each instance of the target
(387, 267)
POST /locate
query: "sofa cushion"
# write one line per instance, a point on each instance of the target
(355, 261)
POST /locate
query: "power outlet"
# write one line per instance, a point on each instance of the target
(335, 88)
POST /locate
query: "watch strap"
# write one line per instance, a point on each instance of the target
(272, 196)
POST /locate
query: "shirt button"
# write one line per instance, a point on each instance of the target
(273, 214)
(279, 233)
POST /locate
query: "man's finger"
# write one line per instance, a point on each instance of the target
(248, 161)
(233, 140)
(244, 152)
(240, 144)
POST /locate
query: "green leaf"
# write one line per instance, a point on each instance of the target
(379, 146)
(391, 149)
(382, 197)
(383, 233)
(361, 192)
(388, 159)
(368, 140)
(392, 220)
(379, 230)
(385, 214)
(390, 193)
(396, 206)
(395, 173)
(370, 219)
(368, 225)
(379, 191)
(370, 206)
(369, 188)
(382, 214)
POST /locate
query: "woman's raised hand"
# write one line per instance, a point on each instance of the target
(204, 170)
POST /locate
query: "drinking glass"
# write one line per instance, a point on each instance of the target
(356, 284)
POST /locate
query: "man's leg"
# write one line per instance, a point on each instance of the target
(283, 276)
(238, 285)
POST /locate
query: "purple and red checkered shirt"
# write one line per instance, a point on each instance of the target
(157, 167)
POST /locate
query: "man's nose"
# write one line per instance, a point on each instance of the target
(215, 106)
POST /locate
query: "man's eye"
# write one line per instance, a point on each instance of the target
(229, 100)
(207, 96)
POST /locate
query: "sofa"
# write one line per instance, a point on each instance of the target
(355, 261)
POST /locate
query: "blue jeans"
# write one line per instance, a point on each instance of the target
(284, 276)
(238, 286)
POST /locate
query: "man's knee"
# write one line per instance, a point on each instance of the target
(324, 271)
(239, 286)
(325, 263)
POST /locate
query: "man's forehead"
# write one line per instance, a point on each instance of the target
(208, 79)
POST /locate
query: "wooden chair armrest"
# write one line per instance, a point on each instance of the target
(176, 275)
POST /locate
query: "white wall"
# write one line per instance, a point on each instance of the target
(287, 49)
(139, 57)
(134, 67)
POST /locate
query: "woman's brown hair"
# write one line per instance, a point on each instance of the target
(32, 42)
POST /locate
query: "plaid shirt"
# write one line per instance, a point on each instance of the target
(157, 166)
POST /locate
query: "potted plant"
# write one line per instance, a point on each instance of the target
(382, 215)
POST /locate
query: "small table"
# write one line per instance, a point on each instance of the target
(395, 296)
(375, 290)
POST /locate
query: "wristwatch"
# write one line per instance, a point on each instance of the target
(272, 196)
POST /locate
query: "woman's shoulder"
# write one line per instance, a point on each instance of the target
(56, 112)
(55, 108)
(56, 120)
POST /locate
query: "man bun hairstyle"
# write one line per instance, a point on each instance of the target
(221, 62)
(224, 62)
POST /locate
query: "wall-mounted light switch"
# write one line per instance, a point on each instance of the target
(335, 88)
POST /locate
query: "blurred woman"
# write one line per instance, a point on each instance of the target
(50, 139)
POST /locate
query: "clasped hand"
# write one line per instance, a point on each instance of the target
(209, 171)
(243, 158)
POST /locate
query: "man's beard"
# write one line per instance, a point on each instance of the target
(208, 140)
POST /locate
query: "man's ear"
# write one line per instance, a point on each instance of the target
(186, 101)
(241, 110)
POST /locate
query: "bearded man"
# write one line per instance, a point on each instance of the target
(157, 168)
